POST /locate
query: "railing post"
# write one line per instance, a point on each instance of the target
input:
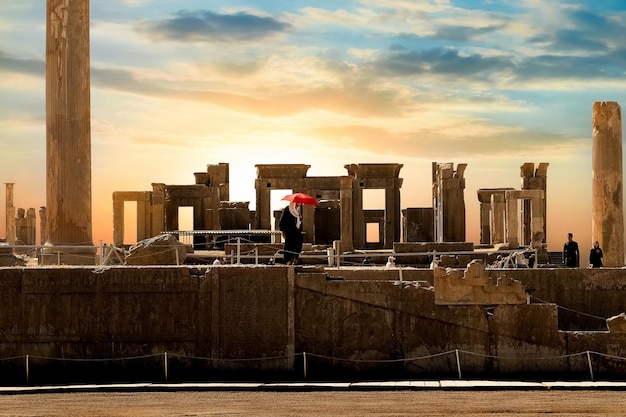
(590, 367)
(458, 363)
(165, 365)
(238, 250)
(304, 364)
(27, 369)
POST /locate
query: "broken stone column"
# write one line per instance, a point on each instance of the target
(25, 226)
(219, 177)
(449, 201)
(10, 215)
(532, 179)
(607, 209)
(20, 226)
(31, 226)
(43, 226)
(68, 133)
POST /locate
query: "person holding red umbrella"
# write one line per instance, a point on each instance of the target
(291, 226)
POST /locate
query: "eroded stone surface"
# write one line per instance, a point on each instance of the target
(475, 286)
(617, 324)
(159, 250)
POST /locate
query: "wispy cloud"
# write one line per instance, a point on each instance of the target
(208, 26)
(28, 66)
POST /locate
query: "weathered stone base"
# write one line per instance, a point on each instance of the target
(266, 322)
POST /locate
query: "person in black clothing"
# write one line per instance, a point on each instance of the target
(595, 255)
(571, 256)
(291, 227)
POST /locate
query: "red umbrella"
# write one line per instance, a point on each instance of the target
(300, 198)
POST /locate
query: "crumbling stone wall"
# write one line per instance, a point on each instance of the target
(231, 313)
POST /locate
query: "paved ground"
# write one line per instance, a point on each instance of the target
(319, 403)
(401, 398)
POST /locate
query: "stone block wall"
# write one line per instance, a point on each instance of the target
(353, 322)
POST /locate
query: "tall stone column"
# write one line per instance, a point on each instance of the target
(68, 132)
(607, 208)
(10, 214)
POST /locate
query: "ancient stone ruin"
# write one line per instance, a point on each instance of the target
(457, 319)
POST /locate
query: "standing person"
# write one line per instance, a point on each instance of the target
(571, 256)
(291, 227)
(595, 255)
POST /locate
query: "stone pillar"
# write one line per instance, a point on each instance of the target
(449, 202)
(512, 221)
(142, 231)
(485, 215)
(607, 209)
(263, 204)
(308, 219)
(537, 222)
(20, 227)
(118, 219)
(392, 213)
(359, 227)
(527, 172)
(498, 209)
(31, 227)
(43, 226)
(10, 214)
(347, 213)
(532, 179)
(219, 176)
(158, 208)
(68, 132)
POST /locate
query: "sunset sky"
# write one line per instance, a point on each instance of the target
(177, 85)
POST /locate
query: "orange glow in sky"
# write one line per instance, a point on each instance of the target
(179, 85)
